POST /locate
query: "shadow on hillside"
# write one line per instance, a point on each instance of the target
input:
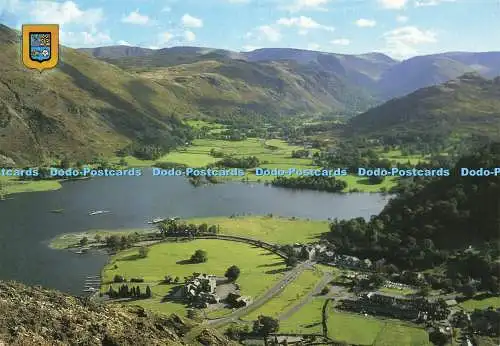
(364, 181)
(186, 261)
(132, 257)
(174, 295)
(124, 116)
(277, 271)
(275, 264)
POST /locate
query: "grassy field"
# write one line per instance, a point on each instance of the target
(278, 230)
(472, 304)
(397, 334)
(354, 328)
(259, 268)
(362, 184)
(402, 292)
(305, 320)
(368, 330)
(291, 295)
(397, 156)
(12, 185)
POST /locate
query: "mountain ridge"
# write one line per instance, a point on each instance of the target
(382, 76)
(466, 106)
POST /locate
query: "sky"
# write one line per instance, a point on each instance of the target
(398, 28)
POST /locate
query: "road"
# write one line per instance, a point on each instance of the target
(327, 277)
(270, 293)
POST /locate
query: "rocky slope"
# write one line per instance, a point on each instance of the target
(36, 316)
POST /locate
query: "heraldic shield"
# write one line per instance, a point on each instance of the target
(40, 46)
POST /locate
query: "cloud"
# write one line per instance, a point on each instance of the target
(421, 3)
(164, 37)
(365, 23)
(341, 42)
(62, 13)
(123, 43)
(189, 36)
(303, 23)
(313, 46)
(191, 22)
(265, 33)
(305, 5)
(248, 48)
(393, 4)
(10, 6)
(404, 41)
(84, 38)
(135, 17)
(402, 19)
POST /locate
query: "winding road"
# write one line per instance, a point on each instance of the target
(327, 277)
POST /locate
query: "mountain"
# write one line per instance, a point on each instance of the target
(37, 316)
(422, 71)
(381, 76)
(82, 108)
(221, 82)
(469, 105)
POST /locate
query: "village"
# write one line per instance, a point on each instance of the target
(358, 288)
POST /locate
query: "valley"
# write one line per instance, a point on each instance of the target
(300, 248)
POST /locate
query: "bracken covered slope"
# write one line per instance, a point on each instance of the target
(80, 109)
(36, 316)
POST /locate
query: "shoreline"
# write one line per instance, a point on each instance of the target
(15, 187)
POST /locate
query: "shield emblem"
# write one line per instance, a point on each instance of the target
(40, 46)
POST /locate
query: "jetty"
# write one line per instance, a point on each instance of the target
(92, 284)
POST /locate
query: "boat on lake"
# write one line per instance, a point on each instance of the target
(97, 212)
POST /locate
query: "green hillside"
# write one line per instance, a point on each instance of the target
(82, 108)
(469, 105)
(236, 87)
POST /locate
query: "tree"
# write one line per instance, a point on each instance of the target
(119, 278)
(143, 251)
(199, 256)
(377, 280)
(84, 241)
(291, 261)
(265, 325)
(425, 291)
(98, 238)
(232, 273)
(113, 242)
(469, 290)
(148, 292)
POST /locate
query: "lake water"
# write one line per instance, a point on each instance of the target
(27, 225)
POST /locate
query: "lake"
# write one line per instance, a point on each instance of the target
(27, 225)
